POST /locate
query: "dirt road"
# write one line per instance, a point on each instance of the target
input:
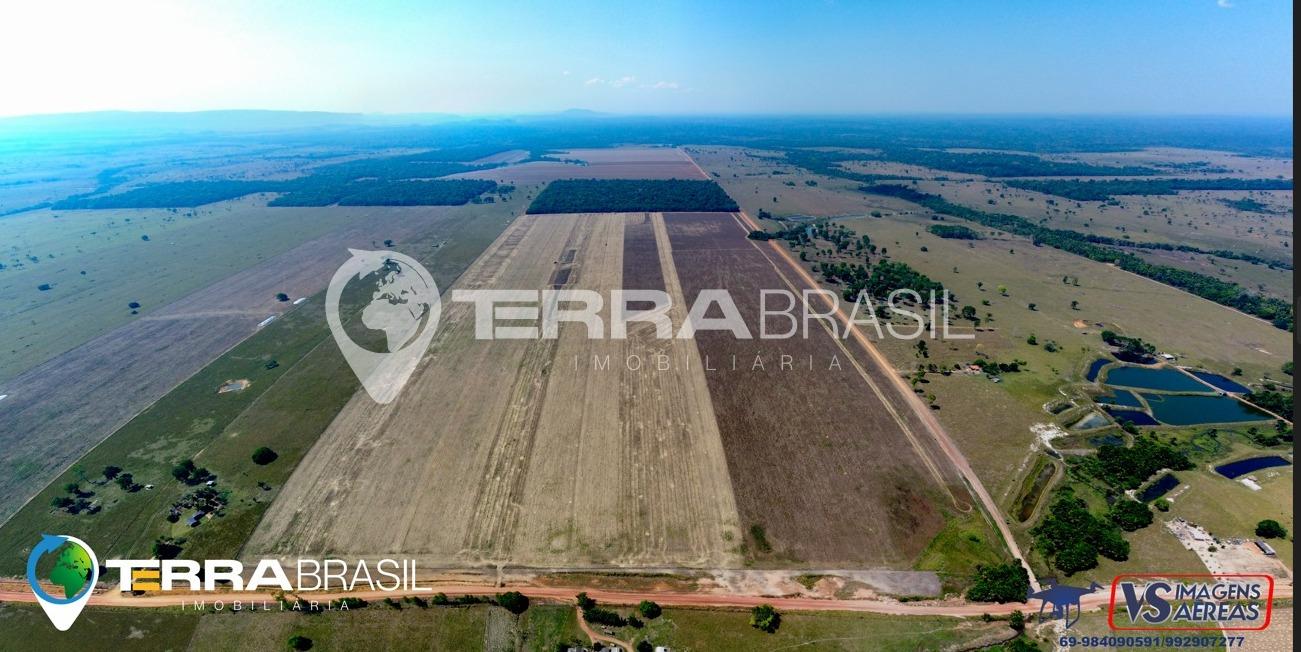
(112, 598)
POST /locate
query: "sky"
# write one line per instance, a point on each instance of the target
(1225, 57)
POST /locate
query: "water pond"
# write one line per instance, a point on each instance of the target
(1094, 368)
(1164, 378)
(1184, 410)
(1243, 467)
(1161, 487)
(1133, 416)
(1221, 383)
(1121, 397)
(1091, 420)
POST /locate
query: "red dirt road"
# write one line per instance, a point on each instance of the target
(567, 594)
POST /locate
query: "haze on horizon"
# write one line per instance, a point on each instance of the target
(1231, 57)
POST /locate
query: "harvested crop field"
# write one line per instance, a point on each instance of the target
(611, 163)
(539, 452)
(575, 451)
(826, 460)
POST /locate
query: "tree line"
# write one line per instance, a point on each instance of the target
(632, 196)
(1105, 189)
(1277, 311)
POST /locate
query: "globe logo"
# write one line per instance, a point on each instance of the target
(402, 302)
(70, 565)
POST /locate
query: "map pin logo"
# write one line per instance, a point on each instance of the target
(74, 570)
(404, 304)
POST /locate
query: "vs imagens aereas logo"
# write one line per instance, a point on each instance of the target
(74, 570)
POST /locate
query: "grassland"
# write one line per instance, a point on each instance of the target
(186, 251)
(286, 407)
(705, 629)
(482, 627)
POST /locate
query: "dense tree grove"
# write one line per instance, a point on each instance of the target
(1128, 467)
(1277, 402)
(954, 232)
(1132, 349)
(990, 164)
(1277, 311)
(1000, 583)
(1104, 189)
(1072, 537)
(632, 195)
(1130, 515)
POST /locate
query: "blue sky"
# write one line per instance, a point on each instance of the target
(1141, 56)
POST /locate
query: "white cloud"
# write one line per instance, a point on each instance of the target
(626, 80)
(1224, 4)
(664, 86)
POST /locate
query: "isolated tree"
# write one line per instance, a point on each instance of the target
(263, 456)
(765, 618)
(282, 297)
(300, 643)
(513, 601)
(111, 471)
(649, 609)
(1016, 621)
(1271, 529)
(1075, 305)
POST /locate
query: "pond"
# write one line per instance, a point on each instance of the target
(1094, 368)
(1184, 410)
(1133, 416)
(1091, 420)
(1121, 397)
(1221, 383)
(1164, 378)
(1243, 467)
(1161, 487)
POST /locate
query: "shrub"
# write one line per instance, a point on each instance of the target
(513, 601)
(999, 583)
(649, 609)
(765, 618)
